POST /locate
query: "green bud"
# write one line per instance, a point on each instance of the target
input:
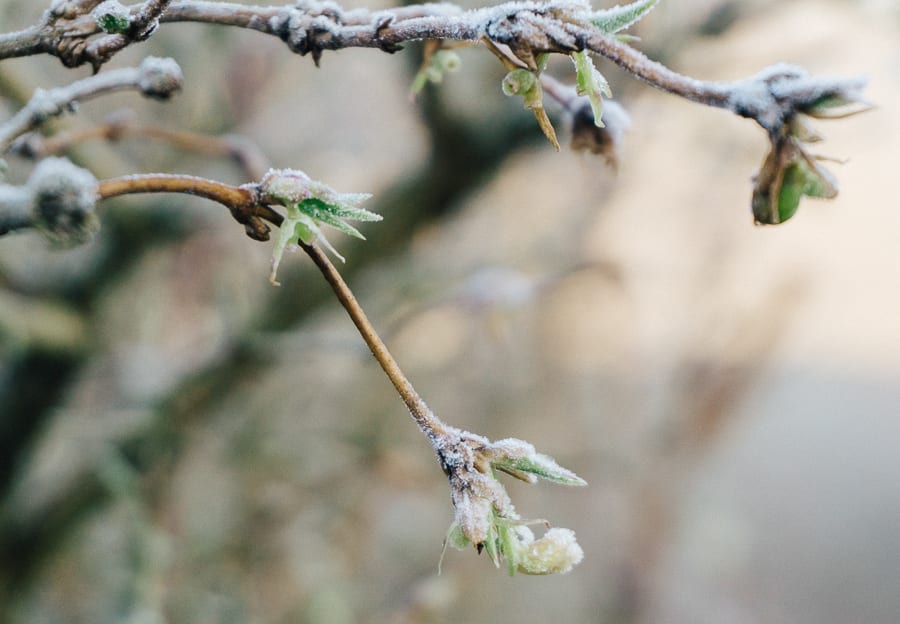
(520, 82)
(112, 17)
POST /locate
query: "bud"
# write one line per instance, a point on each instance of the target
(63, 202)
(310, 205)
(160, 78)
(112, 17)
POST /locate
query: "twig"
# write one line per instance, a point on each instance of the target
(143, 22)
(155, 77)
(430, 424)
(66, 27)
(244, 153)
(242, 201)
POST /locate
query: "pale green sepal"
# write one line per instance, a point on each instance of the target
(590, 82)
(321, 211)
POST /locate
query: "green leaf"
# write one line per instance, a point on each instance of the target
(614, 19)
(542, 466)
(590, 82)
(323, 212)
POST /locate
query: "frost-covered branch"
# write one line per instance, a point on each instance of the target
(155, 77)
(242, 201)
(67, 27)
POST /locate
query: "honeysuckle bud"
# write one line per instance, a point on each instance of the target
(526, 84)
(787, 175)
(485, 516)
(309, 205)
(556, 552)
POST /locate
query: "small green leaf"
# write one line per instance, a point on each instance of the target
(542, 466)
(614, 19)
(590, 82)
(522, 82)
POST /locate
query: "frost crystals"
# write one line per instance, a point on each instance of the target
(309, 206)
(485, 516)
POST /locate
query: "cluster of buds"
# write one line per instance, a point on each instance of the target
(309, 205)
(485, 517)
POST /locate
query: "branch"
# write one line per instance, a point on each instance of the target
(155, 77)
(67, 26)
(527, 27)
(430, 424)
(124, 27)
(242, 201)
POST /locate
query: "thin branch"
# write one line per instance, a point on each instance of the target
(528, 28)
(26, 42)
(155, 77)
(243, 152)
(142, 23)
(430, 424)
(242, 201)
(718, 94)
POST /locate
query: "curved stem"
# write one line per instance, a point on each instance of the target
(220, 192)
(657, 75)
(430, 424)
(242, 201)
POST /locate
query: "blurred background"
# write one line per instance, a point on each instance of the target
(182, 442)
